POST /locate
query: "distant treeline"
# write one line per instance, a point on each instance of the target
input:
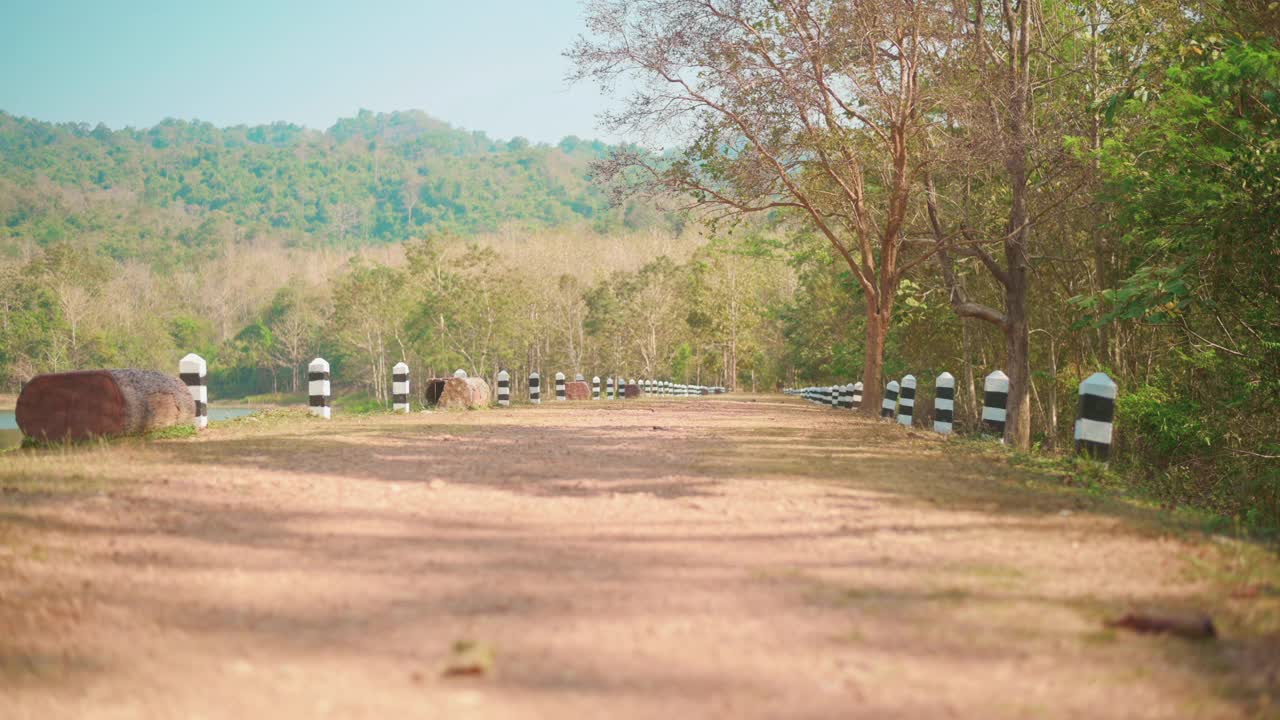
(374, 178)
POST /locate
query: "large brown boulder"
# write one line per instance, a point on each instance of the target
(464, 393)
(102, 403)
(577, 390)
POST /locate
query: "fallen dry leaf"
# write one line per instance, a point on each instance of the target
(1194, 626)
(468, 658)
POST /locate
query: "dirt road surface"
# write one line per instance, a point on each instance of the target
(706, 558)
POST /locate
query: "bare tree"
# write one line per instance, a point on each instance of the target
(411, 194)
(344, 217)
(993, 85)
(814, 107)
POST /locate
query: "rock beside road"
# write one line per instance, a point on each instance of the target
(102, 403)
(464, 394)
(577, 390)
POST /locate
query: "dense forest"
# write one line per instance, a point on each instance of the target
(850, 191)
(386, 237)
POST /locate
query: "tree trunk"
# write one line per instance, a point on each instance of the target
(1017, 328)
(1017, 429)
(873, 362)
(1017, 325)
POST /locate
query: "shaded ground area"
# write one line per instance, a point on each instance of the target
(739, 557)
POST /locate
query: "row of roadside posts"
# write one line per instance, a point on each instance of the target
(609, 388)
(193, 370)
(1094, 420)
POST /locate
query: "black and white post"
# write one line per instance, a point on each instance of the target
(193, 371)
(318, 388)
(835, 396)
(890, 400)
(944, 403)
(907, 401)
(995, 399)
(595, 387)
(560, 387)
(535, 388)
(857, 396)
(504, 388)
(400, 388)
(846, 396)
(1094, 422)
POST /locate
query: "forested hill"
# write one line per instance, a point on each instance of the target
(373, 178)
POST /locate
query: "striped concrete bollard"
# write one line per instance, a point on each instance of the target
(1094, 423)
(193, 371)
(560, 387)
(890, 400)
(834, 397)
(944, 403)
(400, 388)
(318, 388)
(857, 396)
(595, 387)
(995, 399)
(504, 389)
(907, 401)
(608, 388)
(535, 388)
(846, 396)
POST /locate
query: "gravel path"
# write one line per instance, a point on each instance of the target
(734, 558)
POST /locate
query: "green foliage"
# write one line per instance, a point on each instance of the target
(1194, 177)
(1155, 425)
(375, 178)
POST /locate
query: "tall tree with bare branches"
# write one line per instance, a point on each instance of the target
(811, 106)
(1005, 58)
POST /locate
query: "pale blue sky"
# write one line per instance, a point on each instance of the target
(491, 65)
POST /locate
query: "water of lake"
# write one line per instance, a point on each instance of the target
(10, 436)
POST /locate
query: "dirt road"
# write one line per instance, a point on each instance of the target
(735, 558)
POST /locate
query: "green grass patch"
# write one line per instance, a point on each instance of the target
(360, 404)
(175, 432)
(281, 398)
